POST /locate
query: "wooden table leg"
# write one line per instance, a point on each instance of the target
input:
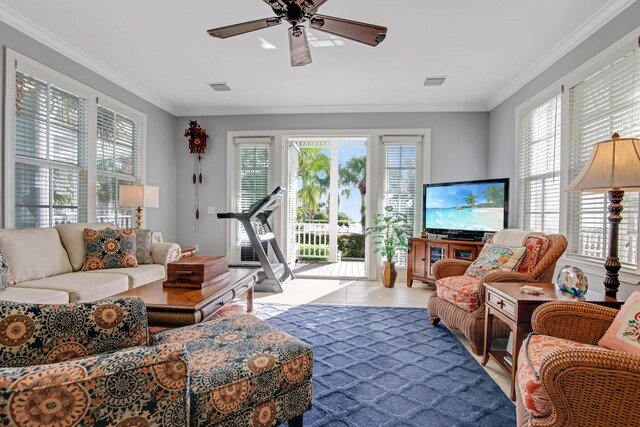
(488, 331)
(518, 336)
(250, 300)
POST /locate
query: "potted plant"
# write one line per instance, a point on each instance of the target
(390, 234)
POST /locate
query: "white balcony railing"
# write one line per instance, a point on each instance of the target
(313, 239)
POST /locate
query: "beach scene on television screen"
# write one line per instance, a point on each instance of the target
(477, 207)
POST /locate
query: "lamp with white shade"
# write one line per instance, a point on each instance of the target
(613, 168)
(139, 196)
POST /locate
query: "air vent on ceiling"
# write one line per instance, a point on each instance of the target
(220, 87)
(435, 81)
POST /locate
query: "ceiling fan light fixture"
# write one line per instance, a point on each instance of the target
(220, 87)
(435, 81)
(299, 47)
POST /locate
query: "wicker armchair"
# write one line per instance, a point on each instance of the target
(586, 386)
(471, 322)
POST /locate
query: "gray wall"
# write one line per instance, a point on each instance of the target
(161, 126)
(502, 120)
(458, 152)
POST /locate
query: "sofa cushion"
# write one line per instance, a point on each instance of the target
(536, 246)
(144, 241)
(459, 290)
(6, 278)
(535, 349)
(138, 276)
(82, 286)
(34, 253)
(237, 363)
(34, 296)
(109, 248)
(72, 236)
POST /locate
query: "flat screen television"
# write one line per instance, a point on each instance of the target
(466, 210)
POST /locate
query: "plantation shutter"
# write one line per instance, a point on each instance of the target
(51, 128)
(252, 164)
(607, 102)
(118, 151)
(400, 178)
(539, 166)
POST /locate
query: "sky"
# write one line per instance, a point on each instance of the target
(450, 196)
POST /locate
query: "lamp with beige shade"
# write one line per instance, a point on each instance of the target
(139, 196)
(613, 167)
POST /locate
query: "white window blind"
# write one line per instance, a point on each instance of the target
(400, 179)
(607, 102)
(539, 168)
(119, 160)
(252, 164)
(50, 149)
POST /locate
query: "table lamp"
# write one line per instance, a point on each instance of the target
(139, 196)
(613, 168)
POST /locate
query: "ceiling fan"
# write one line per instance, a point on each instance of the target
(296, 12)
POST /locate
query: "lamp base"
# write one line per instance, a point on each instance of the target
(612, 265)
(139, 218)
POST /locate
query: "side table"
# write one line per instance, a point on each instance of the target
(515, 308)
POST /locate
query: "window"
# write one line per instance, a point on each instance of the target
(118, 163)
(400, 179)
(63, 142)
(252, 183)
(50, 174)
(605, 103)
(539, 168)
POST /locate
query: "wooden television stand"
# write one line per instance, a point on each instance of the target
(425, 252)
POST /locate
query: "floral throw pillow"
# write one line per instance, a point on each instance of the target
(109, 248)
(624, 333)
(6, 279)
(143, 246)
(495, 257)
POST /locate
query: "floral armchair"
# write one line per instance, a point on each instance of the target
(459, 299)
(91, 364)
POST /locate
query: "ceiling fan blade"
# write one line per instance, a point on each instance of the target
(309, 5)
(245, 27)
(361, 32)
(299, 47)
(278, 6)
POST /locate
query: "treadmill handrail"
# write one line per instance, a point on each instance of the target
(267, 205)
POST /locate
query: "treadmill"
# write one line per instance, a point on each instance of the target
(270, 276)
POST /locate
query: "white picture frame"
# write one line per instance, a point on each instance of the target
(156, 237)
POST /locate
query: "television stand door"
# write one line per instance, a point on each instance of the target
(426, 252)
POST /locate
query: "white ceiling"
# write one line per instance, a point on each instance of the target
(159, 49)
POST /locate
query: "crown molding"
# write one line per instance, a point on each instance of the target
(328, 109)
(597, 21)
(36, 32)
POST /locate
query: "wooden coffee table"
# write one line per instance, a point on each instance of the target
(507, 303)
(172, 307)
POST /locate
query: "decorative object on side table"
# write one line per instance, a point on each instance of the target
(390, 231)
(139, 196)
(196, 272)
(613, 167)
(572, 280)
(197, 145)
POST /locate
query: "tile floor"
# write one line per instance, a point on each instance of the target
(358, 292)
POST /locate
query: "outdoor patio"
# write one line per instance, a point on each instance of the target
(341, 269)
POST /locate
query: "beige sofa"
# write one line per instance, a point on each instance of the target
(46, 264)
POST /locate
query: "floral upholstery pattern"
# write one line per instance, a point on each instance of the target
(36, 334)
(141, 386)
(495, 257)
(536, 246)
(6, 278)
(109, 248)
(244, 372)
(534, 396)
(460, 290)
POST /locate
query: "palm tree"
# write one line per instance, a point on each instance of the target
(471, 199)
(494, 195)
(354, 173)
(313, 169)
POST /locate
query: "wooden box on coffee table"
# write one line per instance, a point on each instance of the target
(196, 272)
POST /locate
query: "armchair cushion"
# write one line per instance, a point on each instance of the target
(37, 334)
(141, 386)
(624, 333)
(239, 363)
(533, 352)
(494, 257)
(462, 291)
(536, 246)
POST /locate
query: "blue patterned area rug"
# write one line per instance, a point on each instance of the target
(376, 366)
